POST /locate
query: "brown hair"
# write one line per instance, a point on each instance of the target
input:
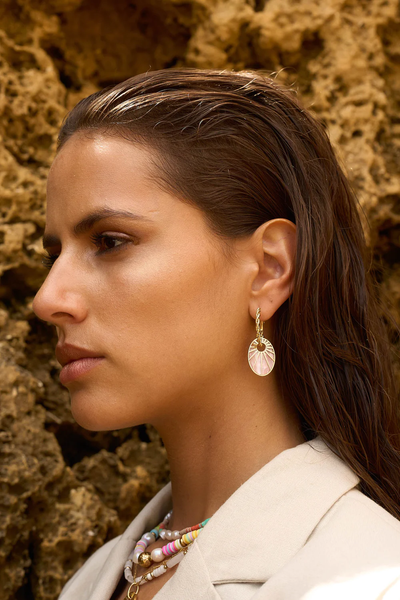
(244, 150)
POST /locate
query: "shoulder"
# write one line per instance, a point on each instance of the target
(85, 576)
(353, 552)
(368, 531)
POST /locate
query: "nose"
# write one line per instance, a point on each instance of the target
(60, 299)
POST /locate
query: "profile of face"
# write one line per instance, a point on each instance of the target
(152, 292)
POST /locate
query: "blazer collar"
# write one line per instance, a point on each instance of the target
(273, 513)
(270, 515)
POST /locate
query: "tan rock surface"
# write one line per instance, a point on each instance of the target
(65, 491)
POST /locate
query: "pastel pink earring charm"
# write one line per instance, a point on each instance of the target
(261, 355)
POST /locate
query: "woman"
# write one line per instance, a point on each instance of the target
(209, 275)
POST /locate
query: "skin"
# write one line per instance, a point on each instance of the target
(173, 316)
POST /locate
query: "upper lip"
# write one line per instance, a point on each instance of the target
(66, 353)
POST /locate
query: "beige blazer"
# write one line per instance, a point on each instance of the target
(298, 529)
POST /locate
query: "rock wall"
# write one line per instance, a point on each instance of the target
(65, 491)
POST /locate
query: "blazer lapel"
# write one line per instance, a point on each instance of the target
(191, 580)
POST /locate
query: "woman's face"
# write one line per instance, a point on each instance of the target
(155, 296)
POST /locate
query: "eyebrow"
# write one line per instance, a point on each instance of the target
(86, 224)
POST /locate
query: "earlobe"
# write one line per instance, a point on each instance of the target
(275, 252)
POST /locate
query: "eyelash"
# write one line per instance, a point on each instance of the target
(48, 260)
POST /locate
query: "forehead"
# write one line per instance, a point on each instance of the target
(95, 169)
(99, 159)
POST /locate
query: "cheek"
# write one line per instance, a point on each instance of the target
(167, 320)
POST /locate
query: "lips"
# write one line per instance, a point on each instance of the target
(77, 368)
(66, 353)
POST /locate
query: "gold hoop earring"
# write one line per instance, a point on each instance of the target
(261, 354)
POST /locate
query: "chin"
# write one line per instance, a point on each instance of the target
(87, 422)
(90, 415)
(97, 414)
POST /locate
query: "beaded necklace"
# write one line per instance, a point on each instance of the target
(165, 558)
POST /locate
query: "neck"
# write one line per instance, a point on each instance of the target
(215, 450)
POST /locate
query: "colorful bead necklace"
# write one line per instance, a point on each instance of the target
(165, 558)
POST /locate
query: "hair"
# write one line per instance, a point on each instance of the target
(244, 150)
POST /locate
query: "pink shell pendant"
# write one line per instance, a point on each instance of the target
(261, 361)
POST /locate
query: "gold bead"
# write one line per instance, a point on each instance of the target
(145, 559)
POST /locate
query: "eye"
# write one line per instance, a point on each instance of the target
(102, 240)
(48, 260)
(106, 240)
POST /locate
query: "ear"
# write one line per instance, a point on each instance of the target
(274, 250)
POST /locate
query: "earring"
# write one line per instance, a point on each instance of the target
(261, 355)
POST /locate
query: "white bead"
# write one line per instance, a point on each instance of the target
(175, 559)
(162, 534)
(168, 536)
(136, 556)
(128, 575)
(157, 555)
(176, 534)
(149, 537)
(158, 571)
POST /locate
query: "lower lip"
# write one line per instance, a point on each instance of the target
(76, 368)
